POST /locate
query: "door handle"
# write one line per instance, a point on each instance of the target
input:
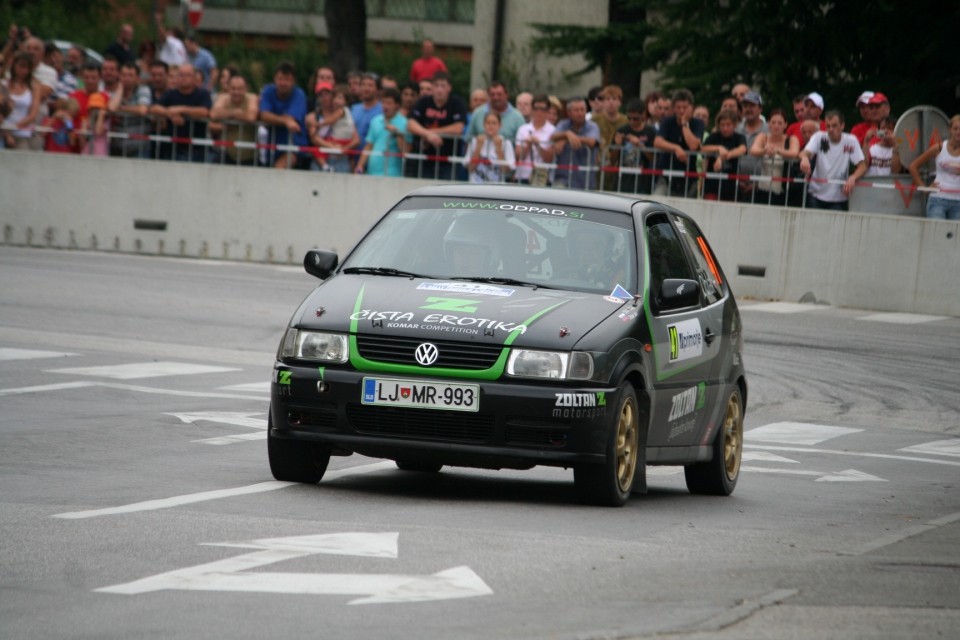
(709, 336)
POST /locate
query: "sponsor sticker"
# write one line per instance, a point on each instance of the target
(469, 288)
(686, 340)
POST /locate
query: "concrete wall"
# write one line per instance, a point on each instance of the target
(867, 261)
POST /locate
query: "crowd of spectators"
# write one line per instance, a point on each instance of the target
(171, 101)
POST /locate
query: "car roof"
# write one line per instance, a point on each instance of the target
(559, 197)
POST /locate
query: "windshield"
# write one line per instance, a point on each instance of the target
(508, 243)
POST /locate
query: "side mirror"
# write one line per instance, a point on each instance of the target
(676, 293)
(320, 264)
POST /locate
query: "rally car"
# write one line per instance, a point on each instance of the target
(504, 327)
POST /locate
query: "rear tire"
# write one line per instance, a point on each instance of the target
(296, 460)
(719, 476)
(609, 484)
(421, 467)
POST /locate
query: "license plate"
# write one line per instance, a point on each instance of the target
(421, 394)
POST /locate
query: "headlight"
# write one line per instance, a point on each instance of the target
(557, 365)
(315, 345)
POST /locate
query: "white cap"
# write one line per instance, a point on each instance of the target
(816, 99)
(864, 98)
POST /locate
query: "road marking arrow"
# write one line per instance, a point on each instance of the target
(232, 574)
(848, 475)
(235, 418)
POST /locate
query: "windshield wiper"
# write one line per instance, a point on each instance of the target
(500, 280)
(383, 271)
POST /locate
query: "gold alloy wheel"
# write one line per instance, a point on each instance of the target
(732, 437)
(627, 445)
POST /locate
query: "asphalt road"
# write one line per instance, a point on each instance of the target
(136, 500)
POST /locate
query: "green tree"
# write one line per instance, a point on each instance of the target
(782, 48)
(617, 49)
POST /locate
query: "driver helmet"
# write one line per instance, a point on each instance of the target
(470, 246)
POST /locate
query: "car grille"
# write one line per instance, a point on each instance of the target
(455, 355)
(421, 424)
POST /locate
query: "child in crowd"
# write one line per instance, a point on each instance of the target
(490, 157)
(880, 150)
(95, 124)
(61, 138)
(728, 145)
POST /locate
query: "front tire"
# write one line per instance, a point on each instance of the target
(296, 460)
(609, 484)
(719, 476)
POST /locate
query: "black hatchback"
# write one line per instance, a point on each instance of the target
(506, 327)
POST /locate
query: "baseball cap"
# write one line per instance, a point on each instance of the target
(864, 98)
(816, 99)
(97, 101)
(323, 86)
(753, 98)
(878, 98)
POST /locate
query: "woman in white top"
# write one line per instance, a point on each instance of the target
(490, 157)
(24, 94)
(945, 204)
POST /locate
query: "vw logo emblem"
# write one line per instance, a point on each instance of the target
(426, 354)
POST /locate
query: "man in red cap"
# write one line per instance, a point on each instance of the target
(876, 108)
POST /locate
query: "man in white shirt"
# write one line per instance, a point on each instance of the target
(172, 50)
(832, 182)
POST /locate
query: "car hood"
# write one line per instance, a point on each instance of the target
(454, 310)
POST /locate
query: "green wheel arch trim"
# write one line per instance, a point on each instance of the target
(362, 364)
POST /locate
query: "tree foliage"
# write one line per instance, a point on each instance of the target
(614, 49)
(782, 48)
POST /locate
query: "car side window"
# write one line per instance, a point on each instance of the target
(666, 254)
(708, 273)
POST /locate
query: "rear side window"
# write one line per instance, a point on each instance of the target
(708, 271)
(666, 253)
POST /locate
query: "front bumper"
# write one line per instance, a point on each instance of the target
(519, 423)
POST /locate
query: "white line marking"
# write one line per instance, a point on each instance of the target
(129, 387)
(192, 498)
(31, 354)
(847, 475)
(748, 456)
(47, 387)
(938, 447)
(235, 418)
(797, 433)
(242, 437)
(858, 454)
(143, 370)
(259, 387)
(902, 318)
(233, 574)
(900, 536)
(782, 307)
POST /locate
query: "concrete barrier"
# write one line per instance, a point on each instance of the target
(866, 261)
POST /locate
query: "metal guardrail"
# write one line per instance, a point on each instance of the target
(639, 170)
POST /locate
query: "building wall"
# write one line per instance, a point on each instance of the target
(537, 72)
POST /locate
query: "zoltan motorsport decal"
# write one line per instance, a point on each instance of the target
(580, 405)
(683, 405)
(686, 340)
